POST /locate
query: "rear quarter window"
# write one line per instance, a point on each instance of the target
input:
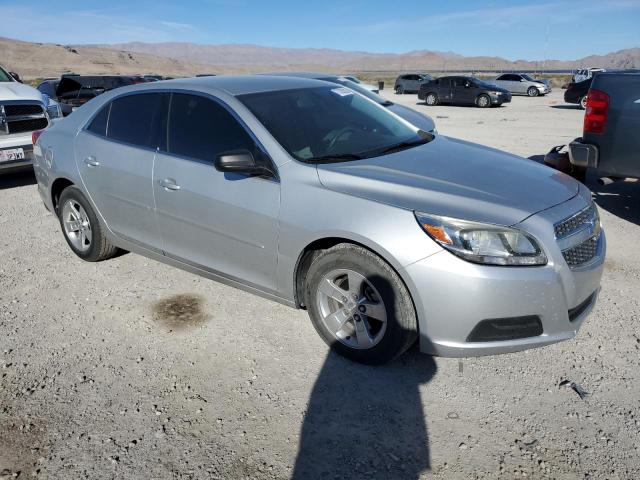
(99, 123)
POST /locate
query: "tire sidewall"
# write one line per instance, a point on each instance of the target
(400, 312)
(93, 253)
(478, 101)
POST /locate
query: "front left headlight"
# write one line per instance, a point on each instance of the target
(481, 242)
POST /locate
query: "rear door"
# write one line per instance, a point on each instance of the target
(445, 89)
(115, 156)
(225, 223)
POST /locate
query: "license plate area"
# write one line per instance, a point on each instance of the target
(11, 154)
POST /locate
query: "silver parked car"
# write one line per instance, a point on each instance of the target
(410, 82)
(312, 195)
(522, 84)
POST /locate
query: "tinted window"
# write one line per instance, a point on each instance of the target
(201, 128)
(136, 119)
(47, 89)
(99, 123)
(313, 123)
(459, 81)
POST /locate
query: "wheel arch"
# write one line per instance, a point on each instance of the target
(310, 251)
(57, 187)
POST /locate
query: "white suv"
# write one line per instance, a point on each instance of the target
(23, 110)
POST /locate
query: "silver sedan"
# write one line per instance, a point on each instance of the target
(522, 84)
(315, 196)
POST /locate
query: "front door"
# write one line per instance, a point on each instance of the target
(224, 223)
(115, 162)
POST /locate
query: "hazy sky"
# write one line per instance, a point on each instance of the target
(511, 29)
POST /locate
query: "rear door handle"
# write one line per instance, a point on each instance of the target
(169, 184)
(91, 161)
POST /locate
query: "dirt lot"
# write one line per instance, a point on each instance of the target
(133, 369)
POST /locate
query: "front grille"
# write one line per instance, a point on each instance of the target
(22, 117)
(576, 222)
(22, 109)
(580, 254)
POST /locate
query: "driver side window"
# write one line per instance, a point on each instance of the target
(201, 129)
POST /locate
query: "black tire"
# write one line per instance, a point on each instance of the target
(399, 90)
(583, 103)
(99, 248)
(483, 101)
(579, 173)
(431, 99)
(401, 327)
(533, 92)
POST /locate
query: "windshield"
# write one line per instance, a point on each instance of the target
(4, 76)
(527, 77)
(328, 124)
(426, 77)
(360, 89)
(482, 84)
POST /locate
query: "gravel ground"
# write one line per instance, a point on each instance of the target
(133, 369)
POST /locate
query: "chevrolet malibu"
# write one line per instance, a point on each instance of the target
(313, 195)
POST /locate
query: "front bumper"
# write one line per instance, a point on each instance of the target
(17, 141)
(500, 99)
(453, 296)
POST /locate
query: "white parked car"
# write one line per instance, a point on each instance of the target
(367, 86)
(585, 74)
(23, 110)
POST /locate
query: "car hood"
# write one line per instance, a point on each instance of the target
(18, 91)
(423, 122)
(454, 178)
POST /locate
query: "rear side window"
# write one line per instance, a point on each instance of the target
(200, 128)
(99, 123)
(137, 119)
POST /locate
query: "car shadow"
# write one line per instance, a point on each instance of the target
(621, 199)
(20, 178)
(365, 421)
(566, 107)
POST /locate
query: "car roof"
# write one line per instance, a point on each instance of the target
(310, 75)
(243, 84)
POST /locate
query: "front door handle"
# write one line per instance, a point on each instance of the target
(91, 161)
(169, 184)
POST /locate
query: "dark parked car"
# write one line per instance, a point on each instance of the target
(411, 82)
(463, 91)
(577, 92)
(609, 143)
(72, 91)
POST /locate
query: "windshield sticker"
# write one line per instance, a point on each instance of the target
(342, 91)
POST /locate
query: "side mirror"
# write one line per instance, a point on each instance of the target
(16, 76)
(240, 161)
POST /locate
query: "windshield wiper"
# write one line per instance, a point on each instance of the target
(404, 145)
(339, 157)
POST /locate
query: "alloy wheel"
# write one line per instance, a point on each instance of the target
(77, 226)
(351, 309)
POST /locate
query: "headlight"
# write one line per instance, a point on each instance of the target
(481, 242)
(52, 107)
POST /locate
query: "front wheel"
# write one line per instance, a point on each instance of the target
(81, 227)
(483, 101)
(533, 92)
(399, 90)
(359, 305)
(431, 100)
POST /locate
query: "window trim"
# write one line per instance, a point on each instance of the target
(171, 91)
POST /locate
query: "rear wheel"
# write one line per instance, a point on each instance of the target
(81, 227)
(431, 99)
(583, 102)
(533, 92)
(359, 305)
(483, 101)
